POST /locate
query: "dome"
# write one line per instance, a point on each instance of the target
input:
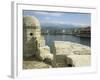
(31, 22)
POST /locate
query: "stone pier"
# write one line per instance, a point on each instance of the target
(70, 54)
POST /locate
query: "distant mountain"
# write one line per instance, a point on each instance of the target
(61, 26)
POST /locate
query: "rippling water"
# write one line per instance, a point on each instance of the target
(81, 40)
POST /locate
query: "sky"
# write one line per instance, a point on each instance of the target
(60, 18)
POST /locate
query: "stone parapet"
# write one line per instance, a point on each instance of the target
(64, 47)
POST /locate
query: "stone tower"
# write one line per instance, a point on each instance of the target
(31, 33)
(33, 41)
(31, 28)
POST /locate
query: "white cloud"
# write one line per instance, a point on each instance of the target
(54, 22)
(43, 13)
(48, 13)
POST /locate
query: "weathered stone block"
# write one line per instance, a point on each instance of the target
(67, 48)
(78, 60)
(44, 53)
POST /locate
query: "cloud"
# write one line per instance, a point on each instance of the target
(53, 22)
(47, 13)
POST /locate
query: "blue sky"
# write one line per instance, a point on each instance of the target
(63, 18)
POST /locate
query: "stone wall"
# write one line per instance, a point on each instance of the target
(67, 48)
(70, 54)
